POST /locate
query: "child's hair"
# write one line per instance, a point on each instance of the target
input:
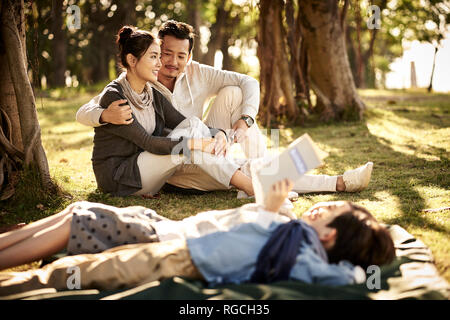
(360, 239)
(132, 40)
(179, 30)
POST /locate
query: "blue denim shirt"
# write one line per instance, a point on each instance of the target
(230, 257)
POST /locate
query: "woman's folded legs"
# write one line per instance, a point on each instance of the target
(155, 170)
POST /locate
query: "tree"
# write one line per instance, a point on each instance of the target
(277, 88)
(195, 20)
(301, 45)
(59, 46)
(431, 22)
(361, 42)
(330, 74)
(20, 135)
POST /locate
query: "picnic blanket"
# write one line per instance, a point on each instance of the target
(412, 275)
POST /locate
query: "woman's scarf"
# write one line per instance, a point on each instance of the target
(141, 104)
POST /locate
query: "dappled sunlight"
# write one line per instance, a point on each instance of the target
(435, 198)
(384, 206)
(409, 137)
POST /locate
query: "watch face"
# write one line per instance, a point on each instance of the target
(248, 121)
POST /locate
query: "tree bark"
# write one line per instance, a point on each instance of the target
(277, 86)
(7, 95)
(360, 63)
(330, 71)
(59, 46)
(12, 34)
(194, 19)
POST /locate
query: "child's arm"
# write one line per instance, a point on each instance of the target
(277, 194)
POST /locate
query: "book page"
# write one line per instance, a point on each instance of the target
(301, 156)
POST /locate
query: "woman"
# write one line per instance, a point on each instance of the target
(139, 157)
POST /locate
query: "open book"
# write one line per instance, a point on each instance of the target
(301, 156)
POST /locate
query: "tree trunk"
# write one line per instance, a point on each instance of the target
(330, 72)
(277, 86)
(297, 53)
(217, 34)
(59, 47)
(129, 12)
(13, 39)
(194, 19)
(430, 87)
(360, 63)
(227, 63)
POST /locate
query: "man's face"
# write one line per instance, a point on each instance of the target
(174, 56)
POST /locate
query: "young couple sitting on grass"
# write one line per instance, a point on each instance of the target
(122, 247)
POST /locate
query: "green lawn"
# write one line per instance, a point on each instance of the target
(405, 134)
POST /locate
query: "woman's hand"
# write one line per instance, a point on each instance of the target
(277, 194)
(203, 144)
(217, 145)
(221, 144)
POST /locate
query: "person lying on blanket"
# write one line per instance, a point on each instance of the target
(122, 247)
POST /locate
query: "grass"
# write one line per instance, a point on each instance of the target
(405, 133)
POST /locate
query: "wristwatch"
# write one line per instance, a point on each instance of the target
(248, 120)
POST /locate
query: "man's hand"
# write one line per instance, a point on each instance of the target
(240, 128)
(277, 194)
(117, 114)
(221, 144)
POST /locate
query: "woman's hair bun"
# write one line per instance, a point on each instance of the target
(124, 34)
(132, 40)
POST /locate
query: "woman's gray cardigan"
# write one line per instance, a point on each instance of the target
(117, 147)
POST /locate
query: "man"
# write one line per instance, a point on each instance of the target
(251, 243)
(189, 85)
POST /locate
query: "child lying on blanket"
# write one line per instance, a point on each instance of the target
(249, 243)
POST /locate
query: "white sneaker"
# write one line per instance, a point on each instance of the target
(243, 195)
(358, 179)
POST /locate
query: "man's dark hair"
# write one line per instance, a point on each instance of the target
(360, 239)
(179, 30)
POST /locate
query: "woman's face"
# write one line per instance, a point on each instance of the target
(149, 64)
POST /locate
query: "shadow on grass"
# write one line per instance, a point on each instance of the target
(174, 204)
(432, 110)
(394, 172)
(76, 145)
(56, 115)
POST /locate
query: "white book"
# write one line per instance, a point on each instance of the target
(301, 156)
